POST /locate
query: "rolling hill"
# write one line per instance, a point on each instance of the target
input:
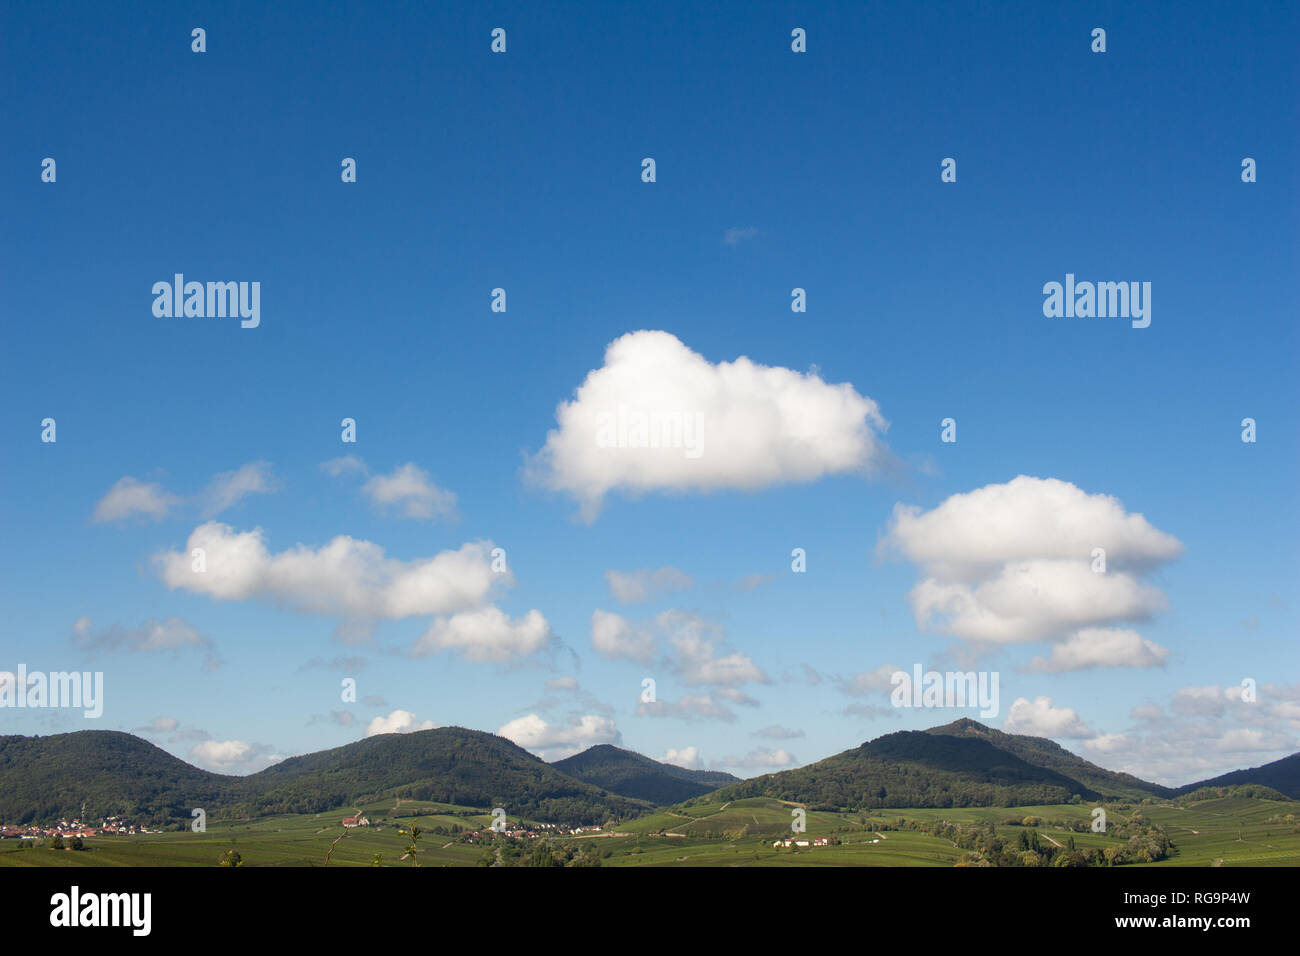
(961, 764)
(45, 779)
(916, 769)
(1042, 752)
(1280, 775)
(631, 775)
(446, 765)
(967, 764)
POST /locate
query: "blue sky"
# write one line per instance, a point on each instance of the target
(774, 170)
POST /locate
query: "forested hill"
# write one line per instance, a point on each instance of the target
(633, 775)
(916, 769)
(446, 765)
(1280, 775)
(45, 779)
(1042, 752)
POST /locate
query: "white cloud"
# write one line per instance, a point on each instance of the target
(232, 756)
(613, 637)
(711, 705)
(346, 577)
(970, 535)
(410, 492)
(877, 681)
(777, 732)
(345, 465)
(1040, 719)
(1147, 712)
(631, 587)
(736, 696)
(1033, 601)
(697, 645)
(1107, 743)
(761, 759)
(230, 487)
(131, 497)
(355, 581)
(1240, 740)
(1199, 701)
(737, 233)
(398, 722)
(556, 741)
(760, 425)
(1101, 647)
(486, 634)
(161, 725)
(698, 656)
(687, 758)
(1215, 731)
(1014, 563)
(153, 636)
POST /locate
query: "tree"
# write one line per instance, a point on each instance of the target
(542, 856)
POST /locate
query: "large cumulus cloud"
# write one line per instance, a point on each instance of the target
(745, 425)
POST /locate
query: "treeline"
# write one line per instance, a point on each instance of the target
(874, 786)
(1147, 842)
(1250, 791)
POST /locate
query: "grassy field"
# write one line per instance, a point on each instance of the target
(1222, 832)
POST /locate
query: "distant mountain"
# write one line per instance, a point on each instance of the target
(632, 775)
(1281, 775)
(45, 779)
(916, 769)
(446, 765)
(1042, 752)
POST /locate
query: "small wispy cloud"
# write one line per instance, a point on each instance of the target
(129, 498)
(737, 234)
(346, 465)
(230, 487)
(410, 491)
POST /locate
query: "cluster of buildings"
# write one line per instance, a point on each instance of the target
(109, 826)
(537, 830)
(816, 841)
(518, 832)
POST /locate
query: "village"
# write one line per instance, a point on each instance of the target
(108, 826)
(517, 832)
